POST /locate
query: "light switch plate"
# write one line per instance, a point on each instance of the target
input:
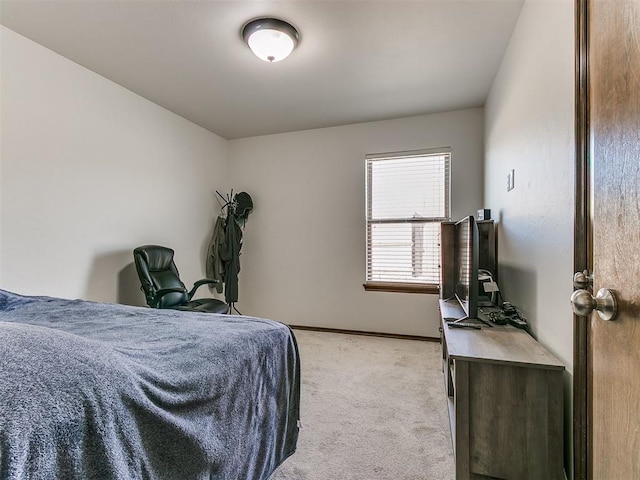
(511, 180)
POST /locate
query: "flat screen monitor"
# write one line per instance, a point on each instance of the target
(466, 261)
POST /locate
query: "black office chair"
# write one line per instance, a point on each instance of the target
(162, 286)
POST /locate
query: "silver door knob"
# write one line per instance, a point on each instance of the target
(583, 303)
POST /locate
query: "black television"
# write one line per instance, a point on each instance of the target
(466, 261)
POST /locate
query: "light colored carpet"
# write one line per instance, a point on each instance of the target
(372, 409)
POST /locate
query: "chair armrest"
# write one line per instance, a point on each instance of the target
(163, 291)
(199, 283)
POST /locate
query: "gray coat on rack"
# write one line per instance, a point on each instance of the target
(215, 266)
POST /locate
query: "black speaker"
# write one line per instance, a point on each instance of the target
(484, 214)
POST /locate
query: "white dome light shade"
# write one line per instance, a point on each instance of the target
(270, 39)
(270, 45)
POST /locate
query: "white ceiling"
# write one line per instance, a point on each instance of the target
(357, 61)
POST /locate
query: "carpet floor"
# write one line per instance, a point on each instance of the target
(372, 408)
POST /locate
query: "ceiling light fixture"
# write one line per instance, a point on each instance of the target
(270, 39)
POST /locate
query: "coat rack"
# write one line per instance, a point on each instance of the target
(223, 261)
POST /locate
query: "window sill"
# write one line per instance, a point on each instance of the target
(401, 287)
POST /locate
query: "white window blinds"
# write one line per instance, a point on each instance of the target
(407, 198)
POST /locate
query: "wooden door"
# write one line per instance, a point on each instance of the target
(613, 138)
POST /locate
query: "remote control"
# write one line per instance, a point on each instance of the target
(465, 325)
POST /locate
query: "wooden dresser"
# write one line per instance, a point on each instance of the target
(505, 402)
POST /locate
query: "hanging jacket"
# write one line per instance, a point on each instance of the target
(230, 255)
(215, 264)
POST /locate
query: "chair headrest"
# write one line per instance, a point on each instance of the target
(155, 256)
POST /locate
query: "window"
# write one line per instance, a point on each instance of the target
(407, 198)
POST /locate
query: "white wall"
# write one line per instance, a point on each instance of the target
(303, 259)
(530, 128)
(90, 171)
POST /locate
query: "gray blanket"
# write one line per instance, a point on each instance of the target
(100, 391)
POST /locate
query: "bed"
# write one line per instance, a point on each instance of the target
(101, 391)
